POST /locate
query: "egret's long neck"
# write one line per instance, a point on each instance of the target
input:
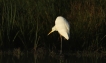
(53, 28)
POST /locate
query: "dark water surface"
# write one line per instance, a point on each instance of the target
(34, 58)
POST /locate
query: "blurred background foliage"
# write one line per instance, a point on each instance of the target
(25, 24)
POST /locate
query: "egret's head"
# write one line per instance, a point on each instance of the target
(53, 29)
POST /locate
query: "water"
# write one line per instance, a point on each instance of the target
(33, 58)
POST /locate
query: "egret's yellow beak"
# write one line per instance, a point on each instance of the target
(50, 32)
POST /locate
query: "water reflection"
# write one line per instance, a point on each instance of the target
(34, 58)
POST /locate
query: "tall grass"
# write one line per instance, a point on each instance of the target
(25, 23)
(88, 23)
(8, 15)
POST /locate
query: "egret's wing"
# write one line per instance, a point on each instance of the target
(63, 33)
(66, 23)
(62, 24)
(62, 30)
(67, 27)
(62, 21)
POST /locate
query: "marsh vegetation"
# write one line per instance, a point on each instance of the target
(24, 25)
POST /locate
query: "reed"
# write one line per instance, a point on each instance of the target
(26, 23)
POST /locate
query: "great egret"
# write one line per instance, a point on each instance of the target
(63, 28)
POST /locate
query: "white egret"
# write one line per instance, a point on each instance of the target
(63, 28)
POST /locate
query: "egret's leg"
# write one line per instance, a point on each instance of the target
(61, 45)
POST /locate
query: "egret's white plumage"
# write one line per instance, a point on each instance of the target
(62, 26)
